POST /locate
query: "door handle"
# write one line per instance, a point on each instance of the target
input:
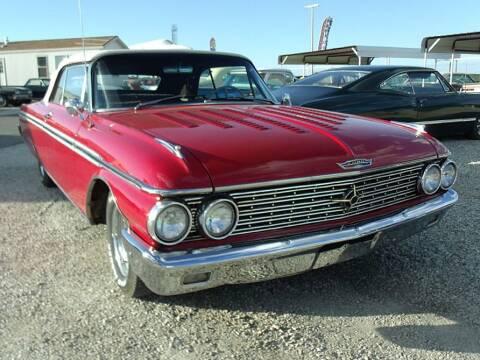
(47, 116)
(422, 102)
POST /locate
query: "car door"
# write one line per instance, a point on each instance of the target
(34, 85)
(65, 163)
(393, 100)
(437, 102)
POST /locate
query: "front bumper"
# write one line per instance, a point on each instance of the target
(183, 272)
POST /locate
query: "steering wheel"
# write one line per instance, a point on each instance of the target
(227, 92)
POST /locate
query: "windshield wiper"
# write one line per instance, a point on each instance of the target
(157, 101)
(265, 101)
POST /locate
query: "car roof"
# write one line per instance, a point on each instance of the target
(378, 68)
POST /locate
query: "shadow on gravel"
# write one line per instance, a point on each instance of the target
(9, 140)
(390, 282)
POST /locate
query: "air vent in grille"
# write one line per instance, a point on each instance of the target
(283, 206)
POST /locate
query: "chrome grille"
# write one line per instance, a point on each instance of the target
(318, 201)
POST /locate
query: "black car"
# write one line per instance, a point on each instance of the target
(14, 95)
(407, 94)
(38, 86)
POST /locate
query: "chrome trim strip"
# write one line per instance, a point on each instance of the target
(319, 177)
(445, 121)
(163, 273)
(97, 160)
(173, 148)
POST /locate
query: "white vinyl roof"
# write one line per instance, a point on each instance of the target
(457, 43)
(354, 55)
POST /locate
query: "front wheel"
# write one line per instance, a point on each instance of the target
(44, 177)
(125, 278)
(3, 101)
(474, 132)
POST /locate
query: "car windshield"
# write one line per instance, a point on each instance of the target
(333, 78)
(137, 80)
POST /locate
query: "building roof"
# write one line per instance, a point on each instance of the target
(457, 43)
(96, 41)
(349, 55)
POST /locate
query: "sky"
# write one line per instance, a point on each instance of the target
(260, 30)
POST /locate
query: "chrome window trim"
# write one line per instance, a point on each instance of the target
(207, 207)
(157, 209)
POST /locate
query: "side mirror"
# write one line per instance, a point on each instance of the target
(286, 100)
(74, 107)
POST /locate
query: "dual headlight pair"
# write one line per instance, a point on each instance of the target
(435, 177)
(169, 222)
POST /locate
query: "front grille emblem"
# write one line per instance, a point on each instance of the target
(355, 164)
(350, 199)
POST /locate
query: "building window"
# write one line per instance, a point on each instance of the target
(42, 65)
(58, 60)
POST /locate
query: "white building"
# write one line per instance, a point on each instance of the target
(159, 44)
(22, 60)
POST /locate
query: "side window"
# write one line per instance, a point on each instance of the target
(57, 96)
(426, 83)
(400, 83)
(72, 85)
(34, 82)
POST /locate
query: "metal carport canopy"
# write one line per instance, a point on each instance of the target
(455, 44)
(466, 43)
(353, 55)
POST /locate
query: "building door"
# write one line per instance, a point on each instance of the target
(3, 72)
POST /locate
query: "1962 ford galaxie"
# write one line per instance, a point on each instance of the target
(203, 180)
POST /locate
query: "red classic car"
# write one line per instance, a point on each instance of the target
(203, 180)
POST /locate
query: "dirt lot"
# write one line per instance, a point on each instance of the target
(419, 299)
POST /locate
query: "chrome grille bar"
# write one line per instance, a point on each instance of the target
(285, 206)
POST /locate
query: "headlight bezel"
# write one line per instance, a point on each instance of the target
(209, 205)
(423, 177)
(449, 162)
(157, 210)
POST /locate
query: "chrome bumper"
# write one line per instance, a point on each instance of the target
(183, 272)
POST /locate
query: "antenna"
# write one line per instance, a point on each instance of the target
(82, 32)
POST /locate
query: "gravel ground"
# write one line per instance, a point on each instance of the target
(416, 300)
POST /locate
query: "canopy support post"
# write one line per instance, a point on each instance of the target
(451, 65)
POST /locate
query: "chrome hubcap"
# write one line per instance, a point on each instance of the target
(42, 170)
(119, 253)
(477, 126)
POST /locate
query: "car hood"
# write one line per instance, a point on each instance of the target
(254, 143)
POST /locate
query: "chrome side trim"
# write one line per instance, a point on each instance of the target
(173, 148)
(164, 273)
(445, 121)
(97, 160)
(319, 177)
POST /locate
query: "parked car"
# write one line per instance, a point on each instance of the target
(276, 78)
(406, 94)
(38, 87)
(14, 95)
(202, 184)
(463, 82)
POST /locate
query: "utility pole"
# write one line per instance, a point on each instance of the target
(312, 8)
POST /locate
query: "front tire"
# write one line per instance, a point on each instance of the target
(126, 279)
(474, 132)
(3, 101)
(44, 178)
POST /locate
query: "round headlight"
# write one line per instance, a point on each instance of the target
(169, 222)
(431, 179)
(219, 218)
(449, 174)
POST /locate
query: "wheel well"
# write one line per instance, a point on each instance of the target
(97, 202)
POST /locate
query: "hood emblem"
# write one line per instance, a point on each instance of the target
(350, 199)
(355, 164)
